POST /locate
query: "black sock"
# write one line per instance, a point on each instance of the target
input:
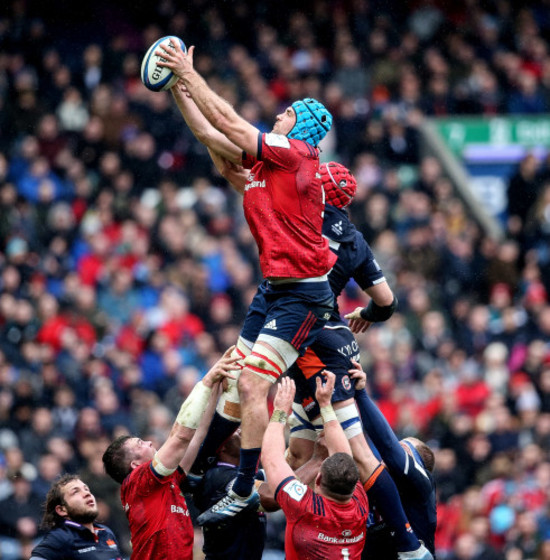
(248, 466)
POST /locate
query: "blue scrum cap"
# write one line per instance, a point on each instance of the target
(313, 121)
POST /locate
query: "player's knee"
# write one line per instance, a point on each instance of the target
(252, 388)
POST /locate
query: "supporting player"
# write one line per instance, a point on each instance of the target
(410, 463)
(160, 524)
(327, 523)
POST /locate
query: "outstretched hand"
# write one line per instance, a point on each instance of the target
(359, 375)
(221, 369)
(356, 323)
(286, 389)
(323, 393)
(229, 166)
(320, 449)
(174, 58)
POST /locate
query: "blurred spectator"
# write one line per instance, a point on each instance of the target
(20, 513)
(522, 193)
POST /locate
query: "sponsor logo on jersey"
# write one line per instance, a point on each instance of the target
(88, 549)
(308, 403)
(253, 184)
(296, 490)
(350, 350)
(276, 140)
(347, 533)
(340, 540)
(179, 509)
(346, 383)
(337, 228)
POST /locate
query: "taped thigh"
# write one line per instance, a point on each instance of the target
(265, 363)
(286, 351)
(301, 427)
(349, 420)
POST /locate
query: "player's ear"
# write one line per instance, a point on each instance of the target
(61, 510)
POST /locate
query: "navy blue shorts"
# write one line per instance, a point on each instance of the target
(333, 349)
(294, 312)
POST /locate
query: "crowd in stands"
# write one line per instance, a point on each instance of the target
(126, 266)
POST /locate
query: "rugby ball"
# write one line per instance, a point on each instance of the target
(155, 77)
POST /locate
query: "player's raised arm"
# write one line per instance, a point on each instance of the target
(377, 427)
(380, 308)
(235, 174)
(335, 438)
(273, 444)
(201, 128)
(217, 110)
(171, 453)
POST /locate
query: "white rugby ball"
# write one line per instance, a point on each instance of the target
(155, 77)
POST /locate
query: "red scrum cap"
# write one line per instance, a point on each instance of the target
(338, 183)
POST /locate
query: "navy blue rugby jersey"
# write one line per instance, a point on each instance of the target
(355, 257)
(71, 540)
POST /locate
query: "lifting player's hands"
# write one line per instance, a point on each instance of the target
(179, 62)
(221, 369)
(359, 375)
(320, 449)
(323, 393)
(230, 167)
(356, 323)
(286, 389)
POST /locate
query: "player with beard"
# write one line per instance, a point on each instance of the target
(70, 514)
(160, 523)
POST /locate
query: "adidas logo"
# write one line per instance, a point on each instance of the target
(271, 325)
(337, 228)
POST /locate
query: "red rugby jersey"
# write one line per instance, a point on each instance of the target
(283, 205)
(160, 525)
(321, 529)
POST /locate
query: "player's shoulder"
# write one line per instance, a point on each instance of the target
(299, 147)
(58, 538)
(291, 488)
(276, 140)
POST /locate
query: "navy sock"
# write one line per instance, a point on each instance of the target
(248, 466)
(381, 489)
(220, 429)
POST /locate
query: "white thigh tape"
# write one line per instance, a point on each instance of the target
(301, 427)
(349, 420)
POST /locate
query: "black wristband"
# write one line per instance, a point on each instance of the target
(376, 313)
